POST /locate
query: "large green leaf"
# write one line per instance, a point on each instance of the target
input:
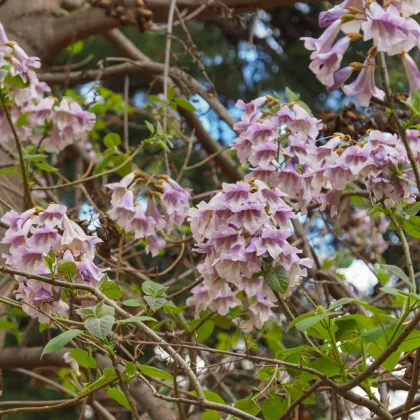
(119, 397)
(83, 358)
(412, 226)
(155, 372)
(277, 278)
(60, 341)
(100, 327)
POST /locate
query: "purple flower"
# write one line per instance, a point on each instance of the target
(16, 237)
(41, 300)
(154, 244)
(263, 153)
(354, 157)
(15, 219)
(299, 122)
(389, 31)
(175, 203)
(324, 42)
(243, 147)
(88, 272)
(200, 298)
(340, 77)
(338, 174)
(364, 87)
(324, 65)
(271, 242)
(52, 216)
(413, 72)
(141, 224)
(407, 7)
(332, 200)
(44, 237)
(224, 301)
(120, 188)
(252, 217)
(123, 210)
(28, 259)
(250, 107)
(328, 17)
(202, 221)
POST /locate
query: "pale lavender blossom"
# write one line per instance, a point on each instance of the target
(413, 72)
(390, 32)
(364, 87)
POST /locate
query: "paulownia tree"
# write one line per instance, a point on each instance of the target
(150, 299)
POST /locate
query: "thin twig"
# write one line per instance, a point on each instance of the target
(414, 385)
(166, 73)
(90, 178)
(27, 199)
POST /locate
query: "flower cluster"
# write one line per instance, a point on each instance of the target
(37, 118)
(40, 241)
(243, 231)
(283, 151)
(147, 221)
(390, 28)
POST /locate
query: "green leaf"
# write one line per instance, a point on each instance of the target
(22, 120)
(415, 99)
(44, 327)
(274, 407)
(8, 171)
(155, 303)
(130, 368)
(183, 103)
(210, 396)
(133, 302)
(67, 269)
(101, 310)
(150, 126)
(213, 397)
(210, 415)
(277, 278)
(111, 290)
(45, 167)
(135, 319)
(323, 365)
(100, 327)
(60, 341)
(112, 140)
(248, 406)
(119, 397)
(205, 331)
(18, 82)
(345, 301)
(396, 292)
(118, 160)
(412, 209)
(102, 165)
(83, 358)
(308, 323)
(8, 325)
(300, 318)
(152, 288)
(373, 334)
(397, 272)
(76, 48)
(412, 226)
(155, 372)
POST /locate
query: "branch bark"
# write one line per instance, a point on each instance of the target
(126, 48)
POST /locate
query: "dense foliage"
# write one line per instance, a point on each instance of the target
(159, 293)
